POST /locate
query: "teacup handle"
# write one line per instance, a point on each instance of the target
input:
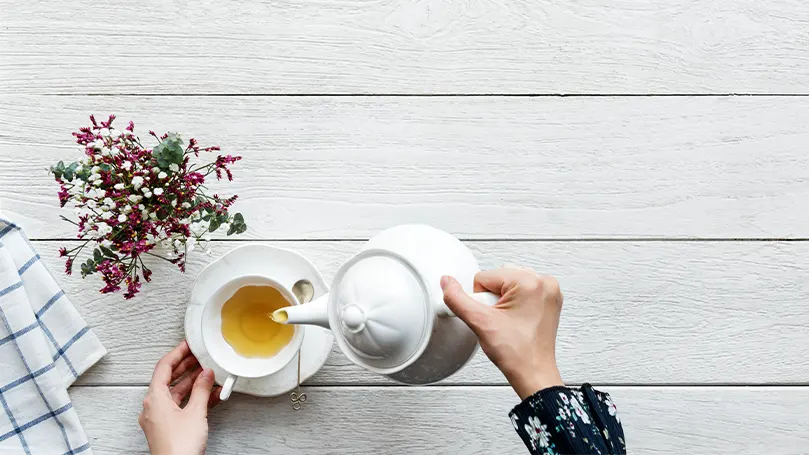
(227, 387)
(486, 298)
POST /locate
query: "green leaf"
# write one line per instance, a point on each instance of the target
(108, 252)
(58, 170)
(97, 255)
(232, 228)
(238, 218)
(169, 151)
(214, 224)
(83, 174)
(105, 167)
(241, 228)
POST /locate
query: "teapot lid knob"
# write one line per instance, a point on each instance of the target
(353, 318)
(380, 312)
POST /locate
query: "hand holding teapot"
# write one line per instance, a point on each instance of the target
(518, 334)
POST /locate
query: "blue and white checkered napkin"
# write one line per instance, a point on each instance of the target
(44, 346)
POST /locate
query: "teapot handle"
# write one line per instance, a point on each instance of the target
(486, 298)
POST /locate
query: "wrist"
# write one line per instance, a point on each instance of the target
(528, 382)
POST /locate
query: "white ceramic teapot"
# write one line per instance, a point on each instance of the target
(386, 306)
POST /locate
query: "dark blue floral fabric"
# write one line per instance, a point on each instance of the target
(562, 420)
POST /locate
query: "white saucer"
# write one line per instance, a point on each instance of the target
(284, 266)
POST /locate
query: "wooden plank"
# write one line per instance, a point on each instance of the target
(635, 312)
(478, 167)
(469, 420)
(405, 46)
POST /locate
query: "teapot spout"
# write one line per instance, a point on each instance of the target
(312, 313)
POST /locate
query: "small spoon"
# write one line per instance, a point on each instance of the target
(303, 290)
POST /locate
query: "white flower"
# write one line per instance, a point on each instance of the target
(126, 209)
(92, 204)
(103, 229)
(105, 152)
(145, 189)
(174, 168)
(189, 244)
(95, 169)
(104, 132)
(153, 216)
(106, 215)
(185, 221)
(158, 191)
(137, 181)
(147, 194)
(108, 201)
(174, 202)
(97, 183)
(141, 206)
(121, 218)
(106, 243)
(155, 170)
(98, 144)
(162, 175)
(134, 198)
(119, 186)
(186, 205)
(127, 165)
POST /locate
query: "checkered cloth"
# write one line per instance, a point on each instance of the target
(44, 346)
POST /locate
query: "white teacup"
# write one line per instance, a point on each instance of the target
(224, 355)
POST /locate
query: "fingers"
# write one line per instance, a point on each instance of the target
(201, 392)
(214, 399)
(462, 304)
(189, 363)
(162, 375)
(499, 280)
(183, 388)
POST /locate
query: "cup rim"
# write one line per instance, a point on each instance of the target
(273, 364)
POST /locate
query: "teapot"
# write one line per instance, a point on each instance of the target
(386, 306)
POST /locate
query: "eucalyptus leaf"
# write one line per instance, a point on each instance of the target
(108, 252)
(169, 151)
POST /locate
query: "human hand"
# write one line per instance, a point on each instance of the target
(170, 429)
(518, 334)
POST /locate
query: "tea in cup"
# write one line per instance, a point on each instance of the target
(239, 333)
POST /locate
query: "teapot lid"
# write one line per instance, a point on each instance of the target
(380, 311)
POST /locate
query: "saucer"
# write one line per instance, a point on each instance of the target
(284, 266)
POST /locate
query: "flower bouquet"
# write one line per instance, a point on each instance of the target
(132, 201)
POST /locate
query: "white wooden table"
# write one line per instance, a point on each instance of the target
(674, 213)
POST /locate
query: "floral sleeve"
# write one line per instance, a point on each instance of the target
(561, 420)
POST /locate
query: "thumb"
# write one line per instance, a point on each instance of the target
(201, 392)
(462, 304)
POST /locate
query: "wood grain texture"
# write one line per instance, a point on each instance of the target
(467, 420)
(404, 46)
(503, 168)
(635, 313)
